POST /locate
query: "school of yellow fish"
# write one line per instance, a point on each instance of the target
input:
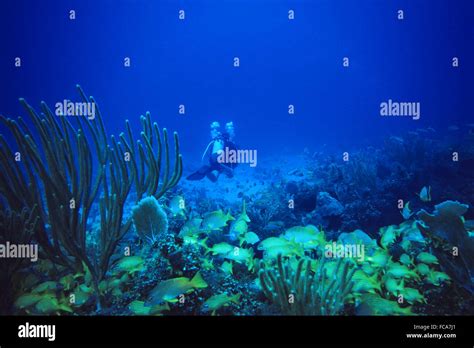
(383, 284)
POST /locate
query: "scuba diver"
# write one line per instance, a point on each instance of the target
(220, 141)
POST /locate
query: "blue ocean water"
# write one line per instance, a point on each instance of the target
(282, 62)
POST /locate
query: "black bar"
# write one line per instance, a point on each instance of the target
(241, 330)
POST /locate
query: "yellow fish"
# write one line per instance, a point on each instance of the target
(221, 248)
(272, 242)
(243, 216)
(427, 258)
(241, 255)
(217, 301)
(50, 305)
(82, 295)
(67, 281)
(207, 264)
(436, 278)
(397, 270)
(388, 236)
(177, 206)
(139, 308)
(289, 249)
(46, 286)
(406, 260)
(226, 267)
(363, 283)
(130, 264)
(27, 300)
(304, 234)
(250, 238)
(412, 295)
(195, 240)
(423, 269)
(368, 269)
(168, 290)
(358, 237)
(237, 229)
(392, 286)
(372, 304)
(190, 227)
(216, 220)
(405, 244)
(425, 194)
(379, 259)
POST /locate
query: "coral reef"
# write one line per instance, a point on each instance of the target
(305, 235)
(373, 178)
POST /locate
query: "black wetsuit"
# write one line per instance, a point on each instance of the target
(214, 165)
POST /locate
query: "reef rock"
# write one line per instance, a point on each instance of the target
(446, 229)
(304, 196)
(328, 206)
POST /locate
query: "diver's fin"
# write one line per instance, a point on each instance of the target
(196, 176)
(199, 174)
(211, 176)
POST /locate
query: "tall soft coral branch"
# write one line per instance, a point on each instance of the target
(16, 228)
(300, 291)
(65, 169)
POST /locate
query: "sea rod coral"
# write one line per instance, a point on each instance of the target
(302, 291)
(68, 166)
